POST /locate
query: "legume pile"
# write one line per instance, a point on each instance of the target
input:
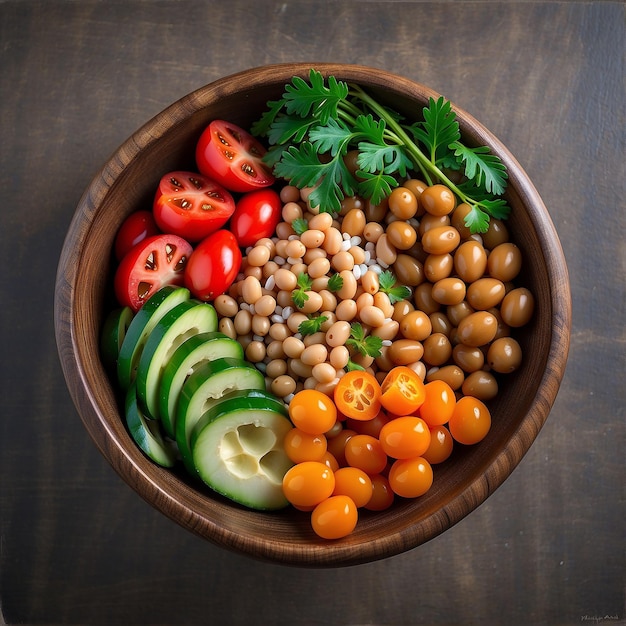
(455, 325)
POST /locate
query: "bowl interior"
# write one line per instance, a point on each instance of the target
(127, 182)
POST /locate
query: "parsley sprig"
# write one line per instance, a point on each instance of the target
(387, 284)
(303, 284)
(369, 345)
(312, 127)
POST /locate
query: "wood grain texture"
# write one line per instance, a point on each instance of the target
(78, 546)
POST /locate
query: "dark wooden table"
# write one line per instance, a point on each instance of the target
(77, 546)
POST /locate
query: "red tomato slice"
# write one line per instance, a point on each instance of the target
(233, 157)
(135, 228)
(191, 205)
(256, 216)
(213, 266)
(151, 264)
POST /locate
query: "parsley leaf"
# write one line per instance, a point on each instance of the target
(387, 284)
(335, 282)
(312, 325)
(316, 122)
(303, 284)
(351, 366)
(299, 225)
(367, 346)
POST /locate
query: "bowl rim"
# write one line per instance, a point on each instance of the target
(153, 483)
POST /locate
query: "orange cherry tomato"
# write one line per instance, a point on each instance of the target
(300, 446)
(312, 411)
(405, 437)
(308, 483)
(382, 495)
(402, 391)
(357, 395)
(366, 453)
(335, 517)
(441, 445)
(439, 403)
(354, 483)
(470, 421)
(330, 461)
(411, 478)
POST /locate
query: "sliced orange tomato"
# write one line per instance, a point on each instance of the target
(402, 391)
(357, 395)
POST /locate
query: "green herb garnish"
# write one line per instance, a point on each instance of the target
(395, 292)
(312, 127)
(367, 346)
(351, 365)
(299, 226)
(303, 284)
(335, 283)
(312, 325)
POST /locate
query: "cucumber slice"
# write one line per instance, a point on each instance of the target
(238, 450)
(183, 321)
(188, 357)
(147, 433)
(208, 384)
(140, 328)
(114, 330)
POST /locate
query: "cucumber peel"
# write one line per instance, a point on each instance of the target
(185, 320)
(140, 328)
(187, 358)
(146, 433)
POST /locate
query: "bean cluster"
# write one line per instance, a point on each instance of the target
(455, 326)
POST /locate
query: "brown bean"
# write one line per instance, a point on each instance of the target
(470, 260)
(405, 351)
(468, 358)
(385, 250)
(480, 384)
(440, 323)
(449, 291)
(372, 231)
(485, 293)
(226, 306)
(354, 222)
(381, 300)
(477, 329)
(276, 368)
(440, 240)
(423, 299)
(517, 307)
(259, 255)
(283, 385)
(438, 266)
(227, 327)
(451, 374)
(504, 355)
(387, 330)
(408, 270)
(416, 325)
(255, 351)
(437, 349)
(401, 235)
(457, 312)
(314, 354)
(496, 234)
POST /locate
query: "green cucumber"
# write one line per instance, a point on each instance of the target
(190, 355)
(183, 321)
(140, 328)
(114, 330)
(208, 384)
(238, 450)
(147, 434)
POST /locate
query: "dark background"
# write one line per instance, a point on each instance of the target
(77, 546)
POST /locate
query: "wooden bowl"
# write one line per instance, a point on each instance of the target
(128, 180)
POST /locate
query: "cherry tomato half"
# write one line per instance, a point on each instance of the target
(402, 391)
(256, 215)
(135, 228)
(191, 205)
(213, 265)
(151, 264)
(357, 395)
(232, 157)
